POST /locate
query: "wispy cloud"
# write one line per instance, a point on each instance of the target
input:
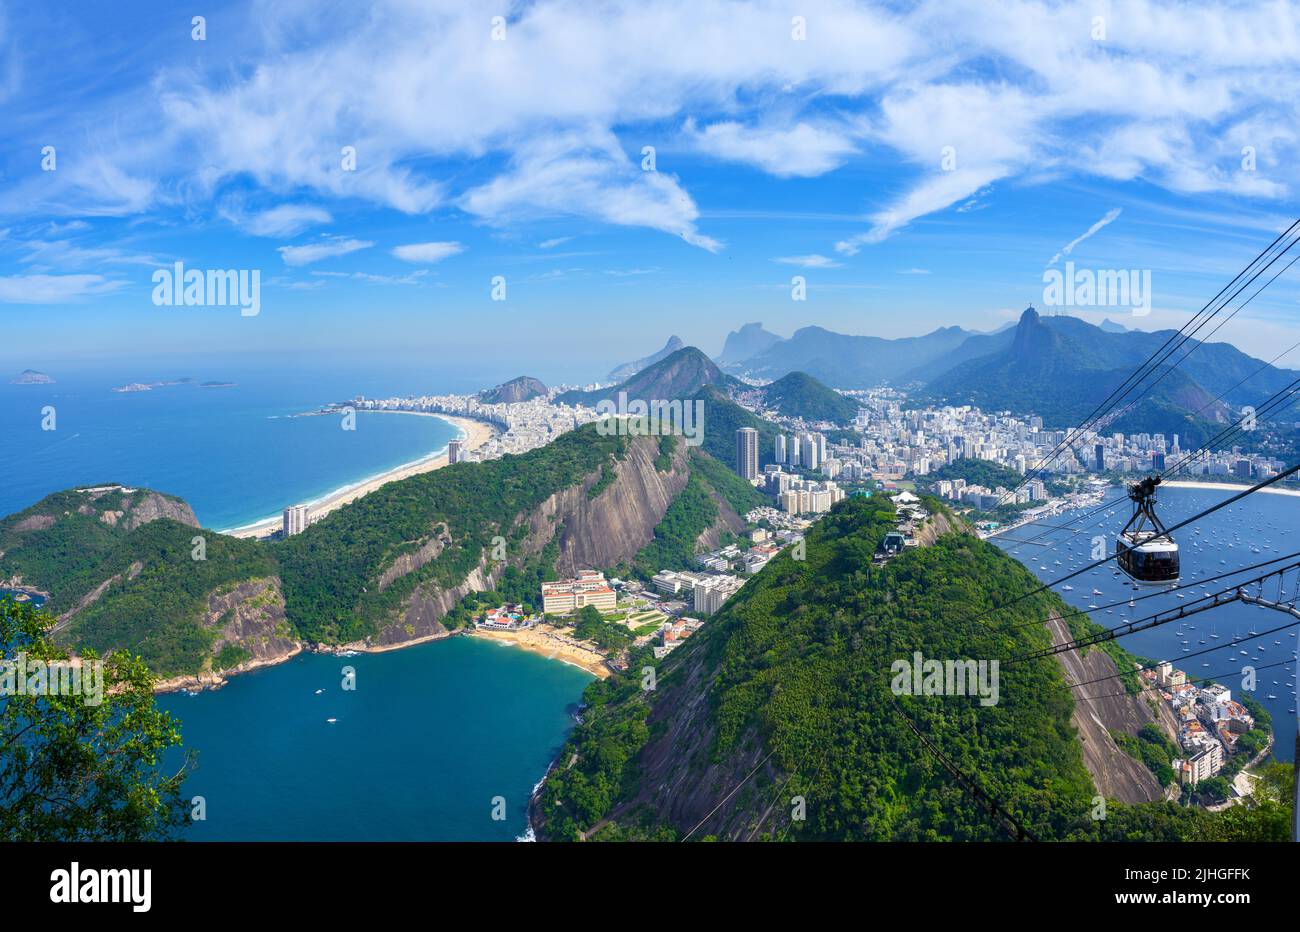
(813, 261)
(284, 220)
(427, 253)
(315, 252)
(54, 289)
(1109, 218)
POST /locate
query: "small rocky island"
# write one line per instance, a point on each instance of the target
(32, 377)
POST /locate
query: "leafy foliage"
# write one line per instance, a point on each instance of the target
(72, 770)
(331, 571)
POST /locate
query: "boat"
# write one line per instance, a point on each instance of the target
(330, 721)
(1067, 588)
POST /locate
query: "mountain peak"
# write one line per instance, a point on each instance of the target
(629, 369)
(747, 342)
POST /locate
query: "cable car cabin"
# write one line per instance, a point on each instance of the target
(1147, 557)
(1144, 549)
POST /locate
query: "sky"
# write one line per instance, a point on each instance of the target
(385, 166)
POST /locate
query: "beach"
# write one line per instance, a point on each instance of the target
(1224, 486)
(545, 640)
(475, 433)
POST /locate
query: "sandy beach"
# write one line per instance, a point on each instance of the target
(476, 434)
(1223, 486)
(547, 641)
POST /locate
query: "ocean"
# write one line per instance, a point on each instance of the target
(433, 742)
(1258, 528)
(236, 454)
(434, 734)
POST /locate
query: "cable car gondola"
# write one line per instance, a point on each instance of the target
(1144, 549)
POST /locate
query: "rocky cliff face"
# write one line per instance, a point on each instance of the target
(250, 615)
(589, 532)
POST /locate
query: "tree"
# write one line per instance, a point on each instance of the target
(81, 765)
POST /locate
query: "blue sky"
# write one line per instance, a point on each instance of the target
(920, 165)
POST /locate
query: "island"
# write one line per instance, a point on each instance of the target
(32, 377)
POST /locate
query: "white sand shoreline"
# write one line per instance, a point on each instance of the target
(1224, 487)
(475, 433)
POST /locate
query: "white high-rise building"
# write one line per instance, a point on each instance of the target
(780, 448)
(455, 451)
(295, 520)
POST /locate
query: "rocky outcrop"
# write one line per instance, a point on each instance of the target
(589, 532)
(410, 562)
(250, 615)
(937, 525)
(151, 506)
(1099, 709)
(726, 522)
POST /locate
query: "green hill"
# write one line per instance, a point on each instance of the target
(787, 693)
(800, 395)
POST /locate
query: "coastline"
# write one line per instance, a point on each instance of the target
(1224, 487)
(541, 641)
(475, 433)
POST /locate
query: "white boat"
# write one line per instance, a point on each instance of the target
(330, 721)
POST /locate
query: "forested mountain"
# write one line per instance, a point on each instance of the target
(787, 695)
(628, 369)
(1061, 368)
(129, 568)
(689, 376)
(800, 395)
(523, 388)
(679, 374)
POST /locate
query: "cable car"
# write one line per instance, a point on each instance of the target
(1144, 549)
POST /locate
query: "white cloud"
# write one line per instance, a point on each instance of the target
(284, 220)
(814, 261)
(427, 253)
(326, 249)
(1109, 218)
(803, 150)
(552, 243)
(53, 289)
(589, 177)
(1017, 89)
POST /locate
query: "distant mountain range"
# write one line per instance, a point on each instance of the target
(689, 375)
(839, 360)
(746, 343)
(1058, 367)
(629, 369)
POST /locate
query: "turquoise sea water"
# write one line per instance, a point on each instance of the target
(419, 751)
(432, 734)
